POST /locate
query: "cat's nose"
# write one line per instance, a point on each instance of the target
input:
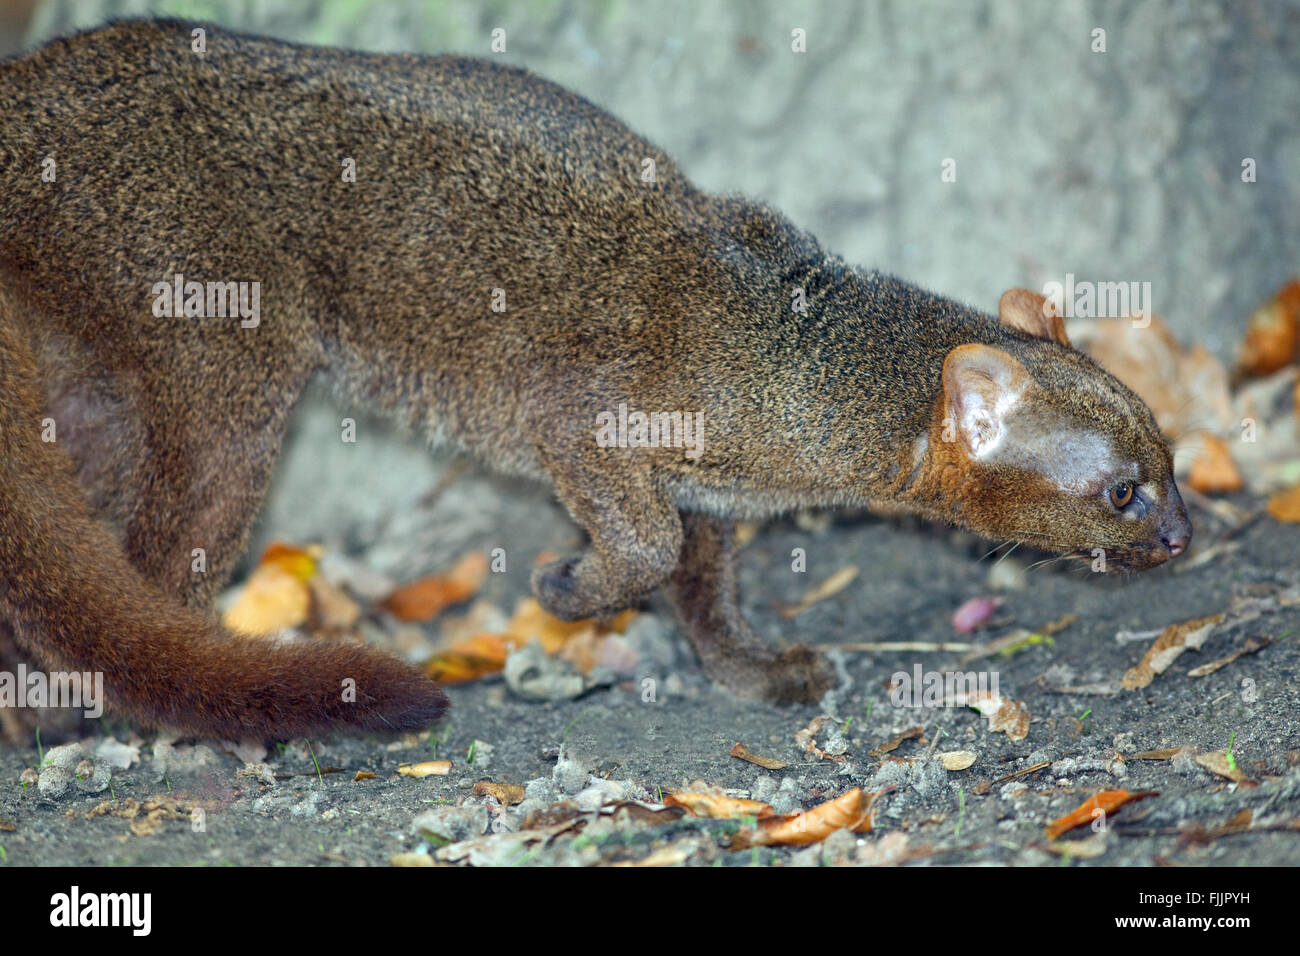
(1176, 528)
(1175, 533)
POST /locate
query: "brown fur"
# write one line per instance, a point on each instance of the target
(471, 177)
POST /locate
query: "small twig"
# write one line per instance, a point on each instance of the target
(886, 646)
(1032, 768)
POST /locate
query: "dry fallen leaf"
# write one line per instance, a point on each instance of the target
(507, 794)
(302, 563)
(428, 768)
(836, 583)
(276, 595)
(892, 744)
(1217, 763)
(483, 654)
(851, 811)
(1011, 716)
(714, 803)
(1108, 801)
(470, 659)
(423, 598)
(768, 763)
(1253, 645)
(1186, 389)
(1214, 471)
(1173, 640)
(957, 759)
(1272, 334)
(1285, 505)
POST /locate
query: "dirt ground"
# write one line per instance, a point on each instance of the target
(596, 768)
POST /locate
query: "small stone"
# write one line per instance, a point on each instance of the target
(54, 782)
(1007, 574)
(66, 756)
(93, 776)
(451, 824)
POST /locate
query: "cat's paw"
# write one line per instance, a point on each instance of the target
(798, 675)
(560, 592)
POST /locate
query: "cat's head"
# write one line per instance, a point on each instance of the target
(1051, 450)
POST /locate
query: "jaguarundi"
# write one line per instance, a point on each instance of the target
(501, 265)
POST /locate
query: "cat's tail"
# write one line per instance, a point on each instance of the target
(77, 604)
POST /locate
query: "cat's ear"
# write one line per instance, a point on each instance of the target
(981, 386)
(1033, 313)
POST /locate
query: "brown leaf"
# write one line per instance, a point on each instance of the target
(1011, 716)
(1173, 640)
(890, 745)
(423, 598)
(714, 803)
(485, 654)
(276, 595)
(1272, 334)
(507, 794)
(1253, 645)
(1285, 505)
(1186, 389)
(1214, 471)
(850, 811)
(1217, 763)
(470, 659)
(768, 763)
(1108, 801)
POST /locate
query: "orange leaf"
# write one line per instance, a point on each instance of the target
(1285, 505)
(1214, 471)
(1273, 333)
(850, 811)
(717, 805)
(300, 562)
(1108, 801)
(485, 654)
(275, 596)
(423, 598)
(471, 659)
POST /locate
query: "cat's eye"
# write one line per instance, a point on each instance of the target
(1121, 494)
